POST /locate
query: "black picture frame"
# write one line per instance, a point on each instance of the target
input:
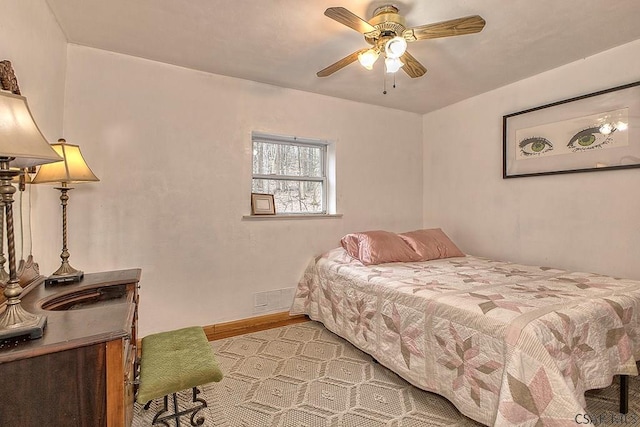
(595, 132)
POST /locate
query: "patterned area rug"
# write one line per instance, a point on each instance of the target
(303, 375)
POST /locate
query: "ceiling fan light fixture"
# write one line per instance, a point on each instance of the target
(368, 58)
(395, 47)
(393, 64)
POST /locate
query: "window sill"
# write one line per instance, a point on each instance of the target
(293, 216)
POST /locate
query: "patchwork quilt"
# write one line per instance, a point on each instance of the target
(508, 344)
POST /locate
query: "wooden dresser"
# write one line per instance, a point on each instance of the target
(81, 372)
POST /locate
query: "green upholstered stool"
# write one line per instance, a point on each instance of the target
(174, 361)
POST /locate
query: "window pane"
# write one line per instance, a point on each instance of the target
(292, 196)
(282, 159)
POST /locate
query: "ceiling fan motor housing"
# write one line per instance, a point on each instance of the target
(390, 24)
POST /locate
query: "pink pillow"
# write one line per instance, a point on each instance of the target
(431, 244)
(378, 247)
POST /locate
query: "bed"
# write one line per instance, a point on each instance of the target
(507, 344)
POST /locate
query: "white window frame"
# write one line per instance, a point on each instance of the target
(325, 146)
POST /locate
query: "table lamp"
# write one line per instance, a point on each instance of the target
(72, 169)
(21, 145)
(27, 270)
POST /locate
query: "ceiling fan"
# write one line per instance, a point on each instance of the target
(386, 31)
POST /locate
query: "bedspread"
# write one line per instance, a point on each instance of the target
(507, 344)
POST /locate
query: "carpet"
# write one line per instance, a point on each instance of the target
(304, 375)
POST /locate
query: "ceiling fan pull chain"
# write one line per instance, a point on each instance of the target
(384, 81)
(394, 80)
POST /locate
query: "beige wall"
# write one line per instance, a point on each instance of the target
(173, 151)
(32, 40)
(35, 45)
(585, 221)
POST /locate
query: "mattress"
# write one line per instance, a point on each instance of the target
(507, 344)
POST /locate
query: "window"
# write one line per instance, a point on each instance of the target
(294, 170)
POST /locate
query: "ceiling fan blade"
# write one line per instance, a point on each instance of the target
(411, 66)
(454, 27)
(350, 19)
(340, 64)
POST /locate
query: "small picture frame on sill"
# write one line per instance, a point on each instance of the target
(262, 204)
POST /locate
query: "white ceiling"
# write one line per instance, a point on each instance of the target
(285, 42)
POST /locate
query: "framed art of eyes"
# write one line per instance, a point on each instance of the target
(594, 132)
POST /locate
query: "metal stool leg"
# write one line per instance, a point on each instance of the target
(177, 413)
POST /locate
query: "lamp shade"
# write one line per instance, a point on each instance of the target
(72, 169)
(368, 58)
(393, 64)
(396, 47)
(20, 138)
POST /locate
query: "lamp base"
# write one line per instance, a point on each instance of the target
(63, 279)
(33, 326)
(28, 271)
